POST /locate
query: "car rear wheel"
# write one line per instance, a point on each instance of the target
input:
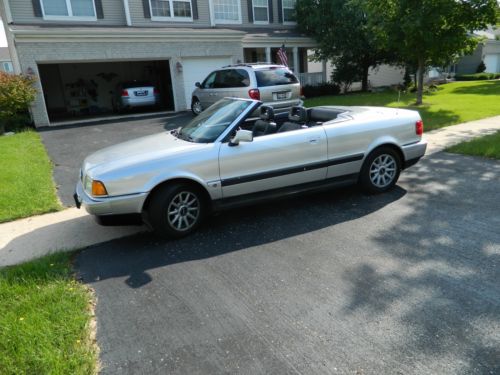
(380, 171)
(196, 107)
(176, 211)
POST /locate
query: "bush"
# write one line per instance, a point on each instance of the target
(321, 90)
(477, 76)
(481, 67)
(16, 94)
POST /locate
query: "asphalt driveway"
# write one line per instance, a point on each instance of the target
(69, 145)
(403, 283)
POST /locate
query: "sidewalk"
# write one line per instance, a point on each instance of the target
(72, 229)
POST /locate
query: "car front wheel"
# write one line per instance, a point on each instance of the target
(176, 211)
(380, 171)
(196, 107)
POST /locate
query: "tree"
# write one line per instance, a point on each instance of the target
(341, 30)
(429, 32)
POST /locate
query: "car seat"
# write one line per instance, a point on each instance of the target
(297, 120)
(265, 125)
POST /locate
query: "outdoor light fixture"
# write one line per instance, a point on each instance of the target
(178, 66)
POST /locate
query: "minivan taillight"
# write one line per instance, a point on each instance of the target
(156, 92)
(419, 127)
(301, 91)
(124, 93)
(254, 94)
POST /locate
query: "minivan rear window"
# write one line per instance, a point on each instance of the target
(275, 77)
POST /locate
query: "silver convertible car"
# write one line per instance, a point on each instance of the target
(224, 158)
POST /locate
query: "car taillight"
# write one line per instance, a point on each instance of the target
(254, 94)
(419, 127)
(301, 91)
(124, 93)
(156, 92)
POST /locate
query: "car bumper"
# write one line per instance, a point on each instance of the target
(124, 204)
(139, 102)
(414, 151)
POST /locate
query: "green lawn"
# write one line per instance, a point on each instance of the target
(26, 185)
(45, 317)
(487, 146)
(451, 104)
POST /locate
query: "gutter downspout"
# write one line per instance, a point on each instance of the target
(5, 11)
(127, 12)
(8, 13)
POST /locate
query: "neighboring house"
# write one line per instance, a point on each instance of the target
(5, 60)
(487, 51)
(80, 50)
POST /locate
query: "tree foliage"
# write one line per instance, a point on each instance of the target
(428, 32)
(343, 34)
(17, 92)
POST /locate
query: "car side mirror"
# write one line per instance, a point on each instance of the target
(198, 84)
(241, 136)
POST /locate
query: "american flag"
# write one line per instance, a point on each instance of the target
(282, 55)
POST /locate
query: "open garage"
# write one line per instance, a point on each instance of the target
(74, 91)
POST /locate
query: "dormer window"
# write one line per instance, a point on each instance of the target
(81, 10)
(171, 10)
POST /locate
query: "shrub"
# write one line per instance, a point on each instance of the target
(477, 76)
(481, 67)
(321, 90)
(16, 94)
(345, 74)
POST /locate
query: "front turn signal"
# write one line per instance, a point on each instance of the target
(98, 189)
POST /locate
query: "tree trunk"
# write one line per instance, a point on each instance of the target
(364, 80)
(420, 80)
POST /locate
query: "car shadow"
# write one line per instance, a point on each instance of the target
(229, 231)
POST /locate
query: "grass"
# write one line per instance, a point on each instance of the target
(26, 185)
(45, 317)
(487, 146)
(451, 104)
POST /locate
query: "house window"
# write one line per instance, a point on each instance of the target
(227, 11)
(171, 10)
(69, 9)
(260, 11)
(289, 11)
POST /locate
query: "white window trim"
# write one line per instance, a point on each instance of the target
(229, 22)
(261, 22)
(69, 17)
(7, 67)
(283, 15)
(172, 18)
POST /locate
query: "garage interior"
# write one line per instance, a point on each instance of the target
(75, 91)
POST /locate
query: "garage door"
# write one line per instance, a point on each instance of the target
(492, 62)
(196, 70)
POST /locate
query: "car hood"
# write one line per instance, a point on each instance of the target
(153, 147)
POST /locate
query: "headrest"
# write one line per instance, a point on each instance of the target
(266, 113)
(297, 114)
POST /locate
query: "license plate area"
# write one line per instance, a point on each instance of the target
(141, 93)
(282, 95)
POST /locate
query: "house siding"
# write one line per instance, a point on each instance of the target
(22, 13)
(31, 54)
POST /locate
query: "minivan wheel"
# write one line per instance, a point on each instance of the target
(176, 210)
(196, 107)
(380, 171)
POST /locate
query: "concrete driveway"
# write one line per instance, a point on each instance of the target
(69, 145)
(401, 283)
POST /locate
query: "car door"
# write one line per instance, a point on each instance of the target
(207, 91)
(273, 161)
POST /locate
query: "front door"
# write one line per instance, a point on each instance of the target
(273, 161)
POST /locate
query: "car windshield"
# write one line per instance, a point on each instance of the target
(211, 123)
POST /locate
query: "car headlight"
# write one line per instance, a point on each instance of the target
(94, 187)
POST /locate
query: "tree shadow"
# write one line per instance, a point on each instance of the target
(485, 88)
(442, 265)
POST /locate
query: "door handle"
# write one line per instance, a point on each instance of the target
(313, 141)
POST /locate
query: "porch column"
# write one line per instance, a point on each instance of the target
(325, 78)
(296, 65)
(268, 54)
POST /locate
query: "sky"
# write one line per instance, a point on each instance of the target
(3, 40)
